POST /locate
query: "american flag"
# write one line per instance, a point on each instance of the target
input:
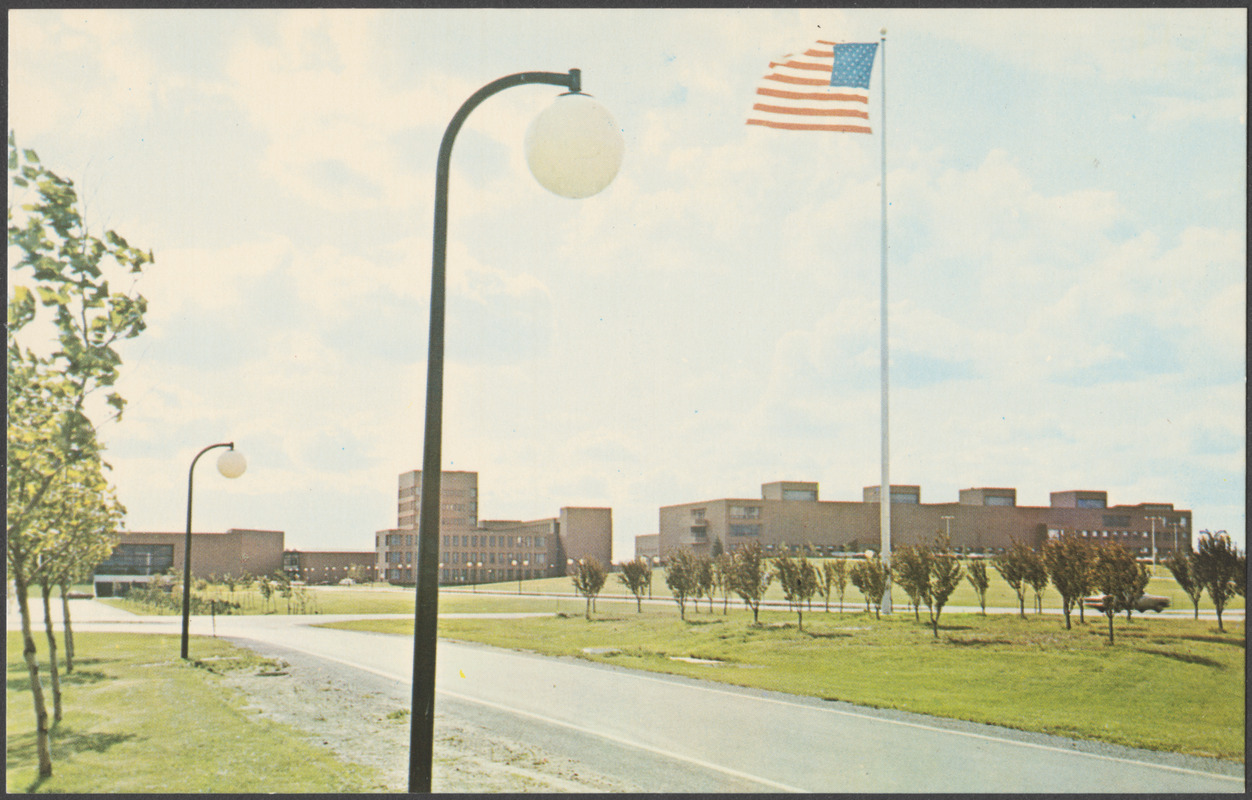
(824, 88)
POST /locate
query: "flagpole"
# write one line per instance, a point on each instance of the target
(884, 494)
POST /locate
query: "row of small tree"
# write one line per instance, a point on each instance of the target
(61, 513)
(930, 572)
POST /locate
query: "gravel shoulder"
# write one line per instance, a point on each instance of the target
(363, 719)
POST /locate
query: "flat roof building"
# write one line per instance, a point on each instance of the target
(485, 551)
(789, 516)
(141, 554)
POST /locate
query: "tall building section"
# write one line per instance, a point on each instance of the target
(486, 551)
(985, 520)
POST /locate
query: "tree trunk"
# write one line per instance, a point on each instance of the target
(800, 617)
(69, 631)
(1110, 616)
(588, 608)
(1065, 604)
(36, 689)
(46, 591)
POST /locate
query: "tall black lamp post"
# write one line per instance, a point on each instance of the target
(231, 464)
(574, 149)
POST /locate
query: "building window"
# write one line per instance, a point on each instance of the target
(697, 514)
(1089, 502)
(998, 500)
(745, 530)
(138, 559)
(745, 512)
(799, 494)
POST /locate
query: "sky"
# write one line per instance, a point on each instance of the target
(1066, 257)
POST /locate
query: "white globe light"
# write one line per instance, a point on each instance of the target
(231, 464)
(574, 148)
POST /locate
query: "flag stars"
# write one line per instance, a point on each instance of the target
(853, 63)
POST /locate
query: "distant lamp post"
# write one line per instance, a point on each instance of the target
(232, 464)
(574, 149)
(947, 526)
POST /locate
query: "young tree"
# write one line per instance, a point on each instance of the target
(723, 577)
(871, 578)
(267, 591)
(798, 578)
(1011, 565)
(1069, 561)
(589, 577)
(1140, 586)
(836, 575)
(680, 577)
(1116, 575)
(634, 576)
(977, 577)
(911, 571)
(705, 581)
(1036, 576)
(1182, 567)
(1217, 569)
(78, 525)
(751, 577)
(945, 573)
(56, 263)
(1241, 575)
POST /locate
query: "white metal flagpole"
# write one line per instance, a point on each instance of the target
(884, 494)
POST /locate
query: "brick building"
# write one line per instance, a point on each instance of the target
(482, 551)
(140, 555)
(983, 520)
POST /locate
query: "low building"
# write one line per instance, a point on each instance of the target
(789, 516)
(140, 555)
(484, 551)
(648, 547)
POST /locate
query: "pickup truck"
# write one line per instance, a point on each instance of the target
(1146, 602)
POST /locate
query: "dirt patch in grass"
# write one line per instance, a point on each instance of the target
(372, 730)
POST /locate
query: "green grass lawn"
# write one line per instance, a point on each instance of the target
(1167, 684)
(138, 719)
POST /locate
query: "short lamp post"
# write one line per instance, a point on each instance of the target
(231, 464)
(574, 149)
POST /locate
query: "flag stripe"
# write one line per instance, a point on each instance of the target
(812, 112)
(825, 80)
(814, 96)
(808, 126)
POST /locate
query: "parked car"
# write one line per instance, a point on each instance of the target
(1146, 602)
(347, 582)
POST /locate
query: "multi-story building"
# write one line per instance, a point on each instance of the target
(789, 515)
(482, 551)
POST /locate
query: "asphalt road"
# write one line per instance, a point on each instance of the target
(672, 734)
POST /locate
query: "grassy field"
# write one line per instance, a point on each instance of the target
(1167, 684)
(138, 721)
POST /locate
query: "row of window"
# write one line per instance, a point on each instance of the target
(485, 540)
(535, 559)
(466, 576)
